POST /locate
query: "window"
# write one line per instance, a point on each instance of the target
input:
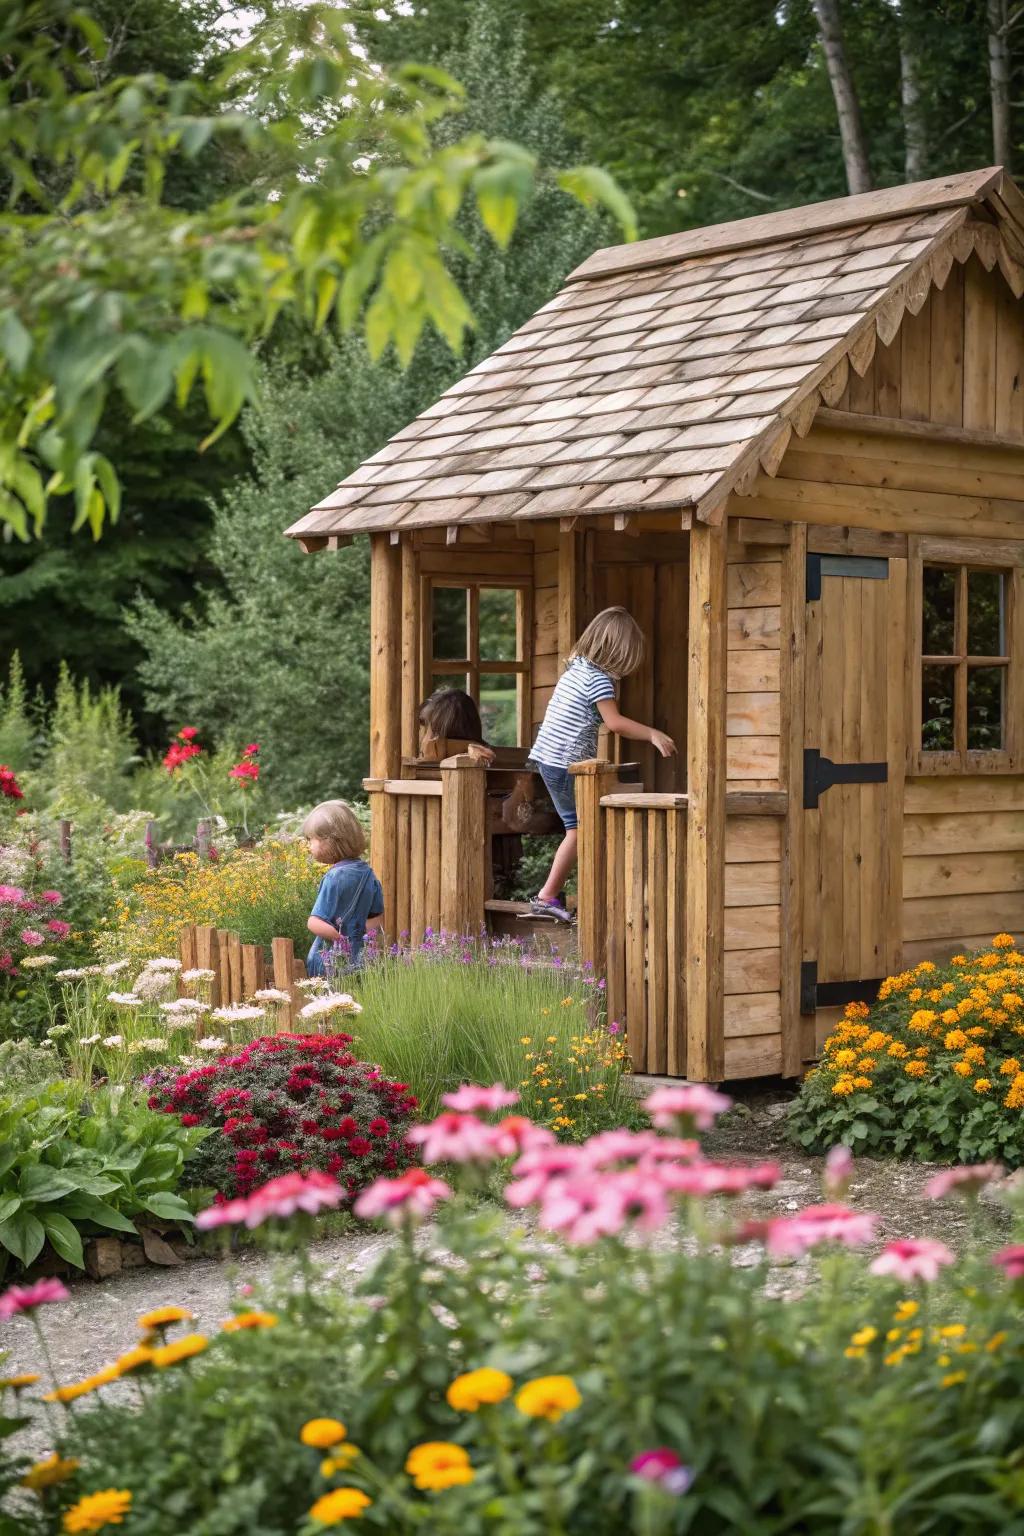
(966, 672)
(476, 634)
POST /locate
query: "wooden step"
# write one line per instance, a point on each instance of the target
(515, 920)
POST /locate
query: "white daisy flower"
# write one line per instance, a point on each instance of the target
(332, 1002)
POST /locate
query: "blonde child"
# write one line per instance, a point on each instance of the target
(350, 900)
(609, 649)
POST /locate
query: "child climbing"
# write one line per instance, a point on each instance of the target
(350, 900)
(609, 649)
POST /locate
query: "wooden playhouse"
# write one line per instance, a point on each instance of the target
(793, 447)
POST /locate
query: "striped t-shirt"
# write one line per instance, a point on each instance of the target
(568, 732)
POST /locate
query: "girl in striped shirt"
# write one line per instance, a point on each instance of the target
(609, 649)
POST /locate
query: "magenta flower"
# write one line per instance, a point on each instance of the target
(454, 1138)
(516, 1133)
(51, 898)
(25, 1298)
(689, 1101)
(838, 1170)
(912, 1258)
(413, 1194)
(11, 895)
(664, 1467)
(1011, 1261)
(281, 1197)
(474, 1100)
(31, 937)
(58, 928)
(788, 1236)
(969, 1180)
(706, 1179)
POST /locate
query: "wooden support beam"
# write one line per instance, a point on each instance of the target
(311, 542)
(410, 650)
(385, 657)
(705, 781)
(465, 850)
(791, 743)
(336, 541)
(570, 547)
(758, 530)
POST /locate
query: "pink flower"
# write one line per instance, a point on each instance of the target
(478, 1101)
(513, 1135)
(583, 1209)
(689, 1101)
(838, 1170)
(413, 1194)
(32, 938)
(454, 1138)
(246, 769)
(251, 750)
(58, 928)
(188, 733)
(281, 1197)
(706, 1179)
(24, 1298)
(663, 1467)
(1011, 1261)
(11, 895)
(786, 1236)
(912, 1258)
(535, 1168)
(52, 898)
(970, 1179)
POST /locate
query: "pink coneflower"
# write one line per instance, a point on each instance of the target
(968, 1180)
(32, 938)
(516, 1133)
(58, 928)
(691, 1102)
(25, 1298)
(51, 898)
(707, 1179)
(413, 1194)
(534, 1170)
(664, 1467)
(454, 1138)
(912, 1258)
(11, 895)
(788, 1236)
(838, 1171)
(281, 1197)
(583, 1208)
(476, 1101)
(1011, 1261)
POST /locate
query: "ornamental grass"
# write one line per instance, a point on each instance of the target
(606, 1368)
(933, 1070)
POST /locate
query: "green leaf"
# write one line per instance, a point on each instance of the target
(170, 1207)
(9, 1203)
(40, 1183)
(23, 1235)
(500, 191)
(64, 1238)
(594, 187)
(15, 342)
(91, 1208)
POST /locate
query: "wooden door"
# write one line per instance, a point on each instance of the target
(649, 577)
(853, 776)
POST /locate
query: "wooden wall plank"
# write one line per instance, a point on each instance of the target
(963, 873)
(936, 917)
(954, 832)
(979, 351)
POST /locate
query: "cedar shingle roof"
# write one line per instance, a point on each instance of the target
(667, 372)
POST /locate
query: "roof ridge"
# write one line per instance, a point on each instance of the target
(788, 223)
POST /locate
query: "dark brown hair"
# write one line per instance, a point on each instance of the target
(451, 715)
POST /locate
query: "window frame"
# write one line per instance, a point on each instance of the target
(471, 667)
(963, 556)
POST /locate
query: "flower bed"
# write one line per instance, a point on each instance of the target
(934, 1070)
(607, 1379)
(290, 1102)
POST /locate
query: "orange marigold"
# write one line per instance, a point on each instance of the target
(915, 1069)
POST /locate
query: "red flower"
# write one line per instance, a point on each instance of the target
(379, 1127)
(244, 770)
(176, 755)
(59, 929)
(359, 1146)
(190, 1120)
(252, 750)
(188, 733)
(9, 784)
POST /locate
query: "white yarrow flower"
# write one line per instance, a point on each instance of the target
(332, 1002)
(124, 999)
(190, 1006)
(36, 962)
(312, 984)
(238, 1013)
(58, 1031)
(114, 968)
(163, 963)
(72, 974)
(272, 995)
(197, 974)
(89, 1039)
(212, 1043)
(111, 1042)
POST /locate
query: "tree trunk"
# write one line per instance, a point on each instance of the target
(851, 128)
(910, 100)
(999, 80)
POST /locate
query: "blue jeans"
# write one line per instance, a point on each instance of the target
(561, 786)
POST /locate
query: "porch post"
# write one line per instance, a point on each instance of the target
(385, 657)
(592, 779)
(465, 845)
(705, 785)
(383, 846)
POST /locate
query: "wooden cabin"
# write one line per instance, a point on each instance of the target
(793, 447)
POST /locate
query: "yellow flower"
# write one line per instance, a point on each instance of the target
(252, 1319)
(996, 1342)
(1003, 941)
(982, 1085)
(844, 1058)
(338, 1505)
(181, 1349)
(955, 1040)
(548, 1397)
(915, 994)
(438, 1464)
(524, 1039)
(1010, 1067)
(78, 1389)
(952, 1331)
(897, 1049)
(134, 1359)
(19, 1382)
(862, 1082)
(163, 1317)
(46, 1474)
(471, 1391)
(866, 1064)
(322, 1433)
(921, 1021)
(954, 1378)
(842, 1086)
(906, 1310)
(962, 1068)
(864, 1336)
(96, 1510)
(339, 1461)
(915, 1069)
(853, 1352)
(975, 1054)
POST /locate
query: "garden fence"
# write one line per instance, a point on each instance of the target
(240, 970)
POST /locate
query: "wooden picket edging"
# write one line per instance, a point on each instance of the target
(240, 970)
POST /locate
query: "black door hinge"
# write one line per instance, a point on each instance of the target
(833, 994)
(860, 567)
(820, 773)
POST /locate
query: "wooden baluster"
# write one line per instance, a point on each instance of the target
(592, 779)
(465, 845)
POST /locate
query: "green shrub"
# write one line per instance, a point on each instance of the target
(453, 1012)
(934, 1070)
(24, 1064)
(74, 1164)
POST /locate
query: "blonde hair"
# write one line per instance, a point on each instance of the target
(612, 641)
(335, 823)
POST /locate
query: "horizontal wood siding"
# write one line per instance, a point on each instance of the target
(754, 596)
(753, 955)
(963, 864)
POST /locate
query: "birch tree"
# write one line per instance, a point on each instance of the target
(851, 127)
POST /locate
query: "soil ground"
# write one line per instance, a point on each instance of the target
(99, 1322)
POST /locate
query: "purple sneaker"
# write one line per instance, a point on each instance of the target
(541, 908)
